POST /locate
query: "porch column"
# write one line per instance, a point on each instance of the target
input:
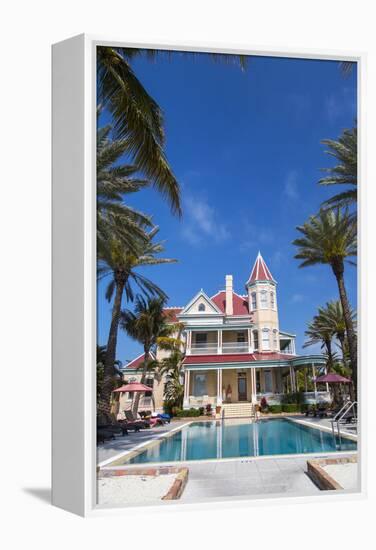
(314, 380)
(327, 385)
(249, 341)
(293, 381)
(219, 342)
(219, 386)
(186, 388)
(253, 386)
(189, 342)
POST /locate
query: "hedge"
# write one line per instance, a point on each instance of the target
(188, 412)
(274, 409)
(290, 407)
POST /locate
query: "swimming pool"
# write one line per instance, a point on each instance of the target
(237, 438)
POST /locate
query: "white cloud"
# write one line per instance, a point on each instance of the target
(290, 189)
(340, 104)
(202, 222)
(254, 236)
(297, 298)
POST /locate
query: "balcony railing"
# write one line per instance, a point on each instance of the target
(213, 348)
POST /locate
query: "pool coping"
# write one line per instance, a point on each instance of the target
(324, 481)
(113, 462)
(303, 422)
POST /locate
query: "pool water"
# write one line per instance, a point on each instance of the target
(240, 438)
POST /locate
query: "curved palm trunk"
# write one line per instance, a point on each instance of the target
(338, 270)
(104, 404)
(136, 400)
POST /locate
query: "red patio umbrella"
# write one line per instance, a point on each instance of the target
(133, 387)
(333, 378)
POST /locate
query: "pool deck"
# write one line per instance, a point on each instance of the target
(253, 477)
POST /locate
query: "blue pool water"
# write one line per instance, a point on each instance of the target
(230, 439)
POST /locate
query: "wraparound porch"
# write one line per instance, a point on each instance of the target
(206, 384)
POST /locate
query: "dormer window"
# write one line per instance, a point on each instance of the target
(201, 307)
(264, 299)
(254, 301)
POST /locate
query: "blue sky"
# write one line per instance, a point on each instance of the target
(245, 147)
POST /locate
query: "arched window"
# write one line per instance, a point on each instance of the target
(201, 307)
(264, 299)
(265, 339)
(254, 300)
(272, 300)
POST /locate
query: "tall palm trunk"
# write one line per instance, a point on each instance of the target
(338, 270)
(328, 345)
(136, 400)
(104, 404)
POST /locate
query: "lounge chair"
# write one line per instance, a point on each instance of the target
(165, 417)
(142, 423)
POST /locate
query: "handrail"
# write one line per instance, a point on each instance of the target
(341, 414)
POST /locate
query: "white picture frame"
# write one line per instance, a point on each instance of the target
(74, 265)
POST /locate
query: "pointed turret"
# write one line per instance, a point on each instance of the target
(262, 300)
(260, 271)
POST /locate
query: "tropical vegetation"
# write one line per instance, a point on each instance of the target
(330, 238)
(345, 171)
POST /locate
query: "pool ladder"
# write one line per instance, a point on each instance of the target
(338, 419)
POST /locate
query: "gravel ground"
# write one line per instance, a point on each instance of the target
(345, 474)
(123, 490)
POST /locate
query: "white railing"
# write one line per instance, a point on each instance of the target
(214, 348)
(235, 347)
(198, 349)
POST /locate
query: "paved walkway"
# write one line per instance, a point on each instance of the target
(248, 478)
(126, 443)
(346, 429)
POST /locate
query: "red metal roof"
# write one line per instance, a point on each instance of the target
(236, 358)
(239, 303)
(172, 312)
(260, 271)
(137, 362)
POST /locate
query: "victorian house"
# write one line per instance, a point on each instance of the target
(235, 350)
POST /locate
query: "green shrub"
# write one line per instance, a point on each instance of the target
(290, 407)
(185, 413)
(275, 409)
(304, 407)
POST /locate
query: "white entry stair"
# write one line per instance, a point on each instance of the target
(238, 410)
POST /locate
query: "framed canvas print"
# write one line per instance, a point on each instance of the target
(207, 307)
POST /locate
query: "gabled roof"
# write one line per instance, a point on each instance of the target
(136, 362)
(201, 295)
(239, 303)
(260, 271)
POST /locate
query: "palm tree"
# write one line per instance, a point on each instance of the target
(331, 238)
(117, 375)
(121, 265)
(344, 150)
(137, 117)
(114, 218)
(146, 325)
(331, 317)
(319, 334)
(138, 120)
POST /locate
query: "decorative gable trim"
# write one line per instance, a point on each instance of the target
(214, 309)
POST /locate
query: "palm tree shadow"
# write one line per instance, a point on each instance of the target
(41, 493)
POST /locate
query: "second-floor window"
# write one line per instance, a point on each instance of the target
(265, 339)
(149, 382)
(254, 300)
(272, 300)
(240, 337)
(255, 339)
(264, 299)
(275, 339)
(201, 339)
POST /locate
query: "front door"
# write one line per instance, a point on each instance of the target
(242, 387)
